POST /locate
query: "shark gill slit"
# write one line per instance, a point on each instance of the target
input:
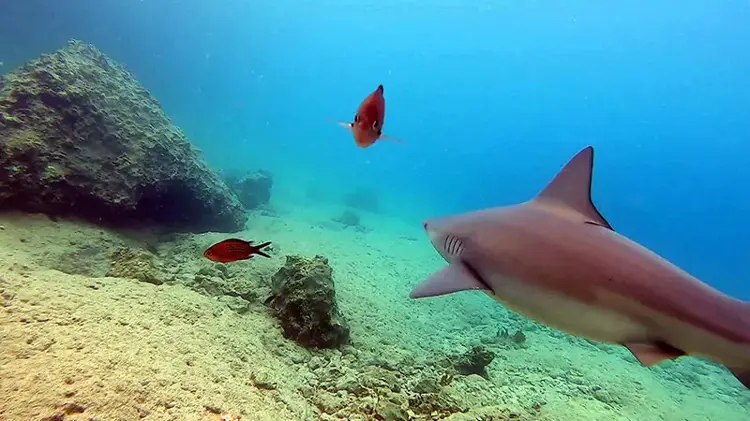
(453, 246)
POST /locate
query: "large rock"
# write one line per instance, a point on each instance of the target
(253, 190)
(79, 136)
(304, 299)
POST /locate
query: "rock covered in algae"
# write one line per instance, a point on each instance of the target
(254, 189)
(475, 361)
(304, 300)
(135, 264)
(79, 136)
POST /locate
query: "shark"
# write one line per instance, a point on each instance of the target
(556, 259)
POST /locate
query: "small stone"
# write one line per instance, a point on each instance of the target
(262, 381)
(473, 362)
(426, 385)
(135, 264)
(94, 286)
(213, 408)
(73, 408)
(348, 382)
(142, 412)
(299, 358)
(55, 417)
(389, 411)
(538, 405)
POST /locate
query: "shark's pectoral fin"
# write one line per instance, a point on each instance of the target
(743, 375)
(452, 278)
(650, 353)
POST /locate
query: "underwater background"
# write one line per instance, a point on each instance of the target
(482, 93)
(491, 98)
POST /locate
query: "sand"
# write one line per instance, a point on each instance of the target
(78, 345)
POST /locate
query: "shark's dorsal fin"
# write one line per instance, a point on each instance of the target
(571, 188)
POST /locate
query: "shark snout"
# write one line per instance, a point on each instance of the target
(433, 236)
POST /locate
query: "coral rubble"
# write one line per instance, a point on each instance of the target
(80, 137)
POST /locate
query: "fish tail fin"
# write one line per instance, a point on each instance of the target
(259, 249)
(393, 139)
(743, 375)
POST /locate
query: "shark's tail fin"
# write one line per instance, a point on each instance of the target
(743, 375)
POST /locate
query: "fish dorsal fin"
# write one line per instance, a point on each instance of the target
(571, 188)
(379, 89)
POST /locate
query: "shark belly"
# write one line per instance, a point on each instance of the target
(557, 310)
(691, 339)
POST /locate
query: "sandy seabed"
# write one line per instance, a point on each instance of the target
(78, 345)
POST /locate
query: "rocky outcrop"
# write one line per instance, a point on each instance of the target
(253, 190)
(363, 199)
(348, 218)
(80, 137)
(351, 219)
(304, 300)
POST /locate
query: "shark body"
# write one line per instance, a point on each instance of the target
(557, 260)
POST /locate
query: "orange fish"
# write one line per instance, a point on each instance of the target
(368, 122)
(234, 249)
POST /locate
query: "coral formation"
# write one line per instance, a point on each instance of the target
(79, 136)
(254, 189)
(304, 300)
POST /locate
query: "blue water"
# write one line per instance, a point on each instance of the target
(491, 97)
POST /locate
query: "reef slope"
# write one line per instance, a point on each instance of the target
(79, 136)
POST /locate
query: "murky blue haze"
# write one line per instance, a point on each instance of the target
(491, 97)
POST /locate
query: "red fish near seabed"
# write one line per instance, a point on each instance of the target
(369, 119)
(234, 249)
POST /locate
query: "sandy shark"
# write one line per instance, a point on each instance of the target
(556, 259)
